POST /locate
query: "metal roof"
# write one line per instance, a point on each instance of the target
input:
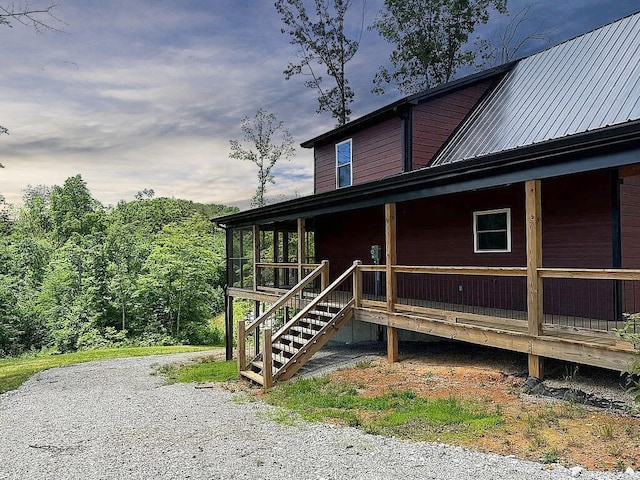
(583, 84)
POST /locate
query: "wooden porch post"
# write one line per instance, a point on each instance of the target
(391, 260)
(324, 275)
(535, 313)
(242, 354)
(267, 369)
(357, 285)
(302, 233)
(256, 256)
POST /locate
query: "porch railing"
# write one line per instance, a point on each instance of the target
(272, 276)
(589, 299)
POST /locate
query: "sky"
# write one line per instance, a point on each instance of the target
(146, 94)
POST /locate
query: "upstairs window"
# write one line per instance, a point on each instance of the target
(492, 231)
(343, 164)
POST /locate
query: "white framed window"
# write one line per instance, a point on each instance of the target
(492, 231)
(343, 164)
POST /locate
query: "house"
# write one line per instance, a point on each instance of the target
(500, 209)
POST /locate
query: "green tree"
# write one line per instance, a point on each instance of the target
(267, 142)
(430, 39)
(74, 210)
(322, 44)
(182, 272)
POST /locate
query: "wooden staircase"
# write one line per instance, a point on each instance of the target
(285, 352)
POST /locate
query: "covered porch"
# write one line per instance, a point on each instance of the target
(569, 314)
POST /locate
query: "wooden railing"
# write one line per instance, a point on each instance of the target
(611, 295)
(274, 276)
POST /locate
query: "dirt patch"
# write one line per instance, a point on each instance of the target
(534, 428)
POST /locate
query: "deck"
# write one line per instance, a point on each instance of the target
(567, 337)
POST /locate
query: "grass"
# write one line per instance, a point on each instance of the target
(398, 413)
(15, 371)
(207, 369)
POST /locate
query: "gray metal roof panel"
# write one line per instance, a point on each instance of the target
(586, 83)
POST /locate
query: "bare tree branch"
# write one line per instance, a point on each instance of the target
(42, 20)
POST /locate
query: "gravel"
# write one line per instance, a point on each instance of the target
(116, 420)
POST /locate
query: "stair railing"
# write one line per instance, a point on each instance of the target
(277, 314)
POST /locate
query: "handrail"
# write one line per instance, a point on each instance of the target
(591, 273)
(286, 265)
(445, 270)
(285, 298)
(493, 271)
(335, 284)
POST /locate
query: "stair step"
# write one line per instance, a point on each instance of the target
(280, 359)
(294, 339)
(321, 313)
(258, 364)
(253, 376)
(303, 330)
(313, 321)
(285, 348)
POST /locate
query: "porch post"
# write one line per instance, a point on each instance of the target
(229, 327)
(256, 256)
(276, 248)
(357, 285)
(256, 314)
(535, 313)
(302, 233)
(228, 301)
(391, 260)
(267, 361)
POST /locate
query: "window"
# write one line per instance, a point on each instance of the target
(492, 231)
(343, 164)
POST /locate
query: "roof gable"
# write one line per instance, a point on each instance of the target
(584, 84)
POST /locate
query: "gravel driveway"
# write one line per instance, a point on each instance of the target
(115, 420)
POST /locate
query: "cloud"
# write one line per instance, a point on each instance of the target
(140, 95)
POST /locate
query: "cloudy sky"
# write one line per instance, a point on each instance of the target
(135, 94)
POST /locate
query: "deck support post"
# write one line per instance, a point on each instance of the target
(391, 283)
(302, 233)
(228, 320)
(535, 313)
(242, 354)
(267, 369)
(256, 257)
(228, 300)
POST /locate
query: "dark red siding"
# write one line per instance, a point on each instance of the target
(577, 232)
(630, 221)
(348, 236)
(435, 120)
(630, 233)
(376, 154)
